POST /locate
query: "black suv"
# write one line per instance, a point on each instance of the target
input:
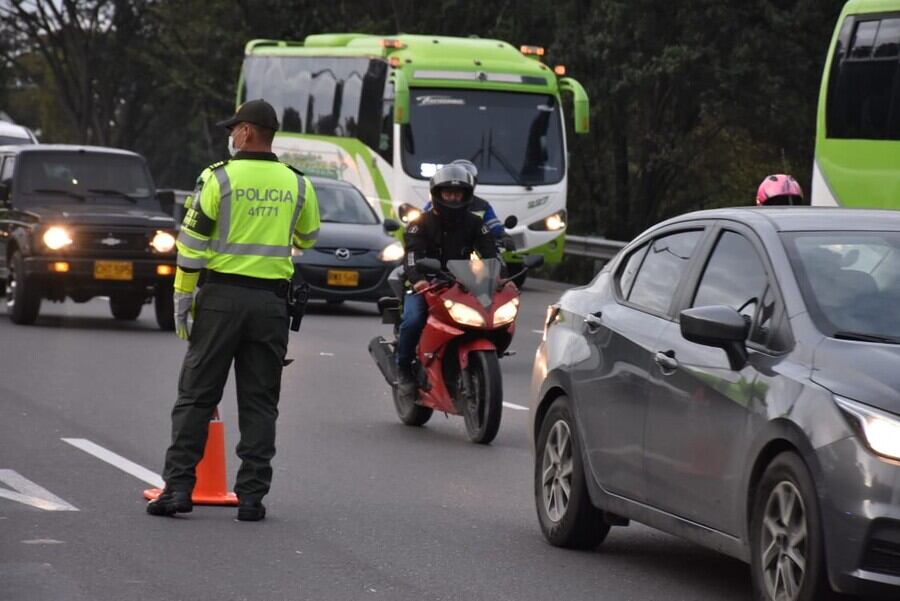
(80, 222)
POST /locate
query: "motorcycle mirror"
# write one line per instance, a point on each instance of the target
(391, 225)
(533, 261)
(510, 222)
(429, 266)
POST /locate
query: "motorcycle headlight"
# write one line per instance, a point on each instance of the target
(553, 223)
(163, 242)
(408, 213)
(464, 315)
(506, 313)
(880, 430)
(57, 237)
(392, 252)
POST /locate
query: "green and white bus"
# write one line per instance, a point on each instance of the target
(857, 161)
(384, 113)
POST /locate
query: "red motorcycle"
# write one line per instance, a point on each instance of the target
(471, 320)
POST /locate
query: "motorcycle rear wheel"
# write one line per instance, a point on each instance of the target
(411, 414)
(483, 407)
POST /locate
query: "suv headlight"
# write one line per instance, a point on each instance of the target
(391, 252)
(880, 430)
(464, 315)
(57, 237)
(163, 242)
(552, 223)
(506, 313)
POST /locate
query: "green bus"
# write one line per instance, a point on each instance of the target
(384, 113)
(857, 162)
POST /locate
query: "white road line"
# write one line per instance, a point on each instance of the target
(514, 406)
(127, 466)
(537, 331)
(29, 493)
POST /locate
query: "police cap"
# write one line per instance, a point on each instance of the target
(258, 112)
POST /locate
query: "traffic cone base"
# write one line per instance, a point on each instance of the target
(211, 488)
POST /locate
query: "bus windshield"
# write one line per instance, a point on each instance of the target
(513, 138)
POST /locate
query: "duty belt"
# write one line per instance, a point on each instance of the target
(279, 287)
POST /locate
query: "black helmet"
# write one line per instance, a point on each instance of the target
(452, 176)
(469, 166)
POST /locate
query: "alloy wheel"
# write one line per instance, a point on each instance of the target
(556, 471)
(784, 542)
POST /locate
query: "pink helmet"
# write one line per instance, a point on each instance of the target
(779, 189)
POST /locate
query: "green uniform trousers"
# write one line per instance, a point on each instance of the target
(248, 326)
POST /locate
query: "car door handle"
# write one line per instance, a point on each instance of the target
(666, 361)
(593, 322)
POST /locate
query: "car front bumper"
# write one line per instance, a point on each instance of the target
(80, 276)
(372, 273)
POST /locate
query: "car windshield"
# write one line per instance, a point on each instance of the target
(343, 204)
(478, 276)
(12, 140)
(66, 177)
(850, 282)
(513, 138)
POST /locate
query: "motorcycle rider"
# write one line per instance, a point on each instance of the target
(483, 208)
(448, 231)
(779, 190)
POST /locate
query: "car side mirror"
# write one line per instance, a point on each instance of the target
(718, 326)
(4, 193)
(391, 225)
(533, 261)
(166, 200)
(510, 222)
(429, 266)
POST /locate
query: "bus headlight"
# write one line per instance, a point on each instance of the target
(408, 213)
(57, 237)
(391, 252)
(163, 242)
(880, 430)
(553, 223)
(506, 313)
(464, 315)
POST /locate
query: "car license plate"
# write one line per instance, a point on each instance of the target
(338, 277)
(113, 270)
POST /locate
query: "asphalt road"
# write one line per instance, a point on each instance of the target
(362, 507)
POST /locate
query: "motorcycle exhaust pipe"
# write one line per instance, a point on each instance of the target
(382, 352)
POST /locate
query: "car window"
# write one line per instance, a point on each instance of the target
(6, 171)
(662, 270)
(734, 276)
(343, 204)
(629, 269)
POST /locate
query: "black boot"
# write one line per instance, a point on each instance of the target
(171, 502)
(406, 385)
(251, 511)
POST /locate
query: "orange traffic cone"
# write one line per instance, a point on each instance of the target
(210, 488)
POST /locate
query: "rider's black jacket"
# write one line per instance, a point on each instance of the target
(435, 238)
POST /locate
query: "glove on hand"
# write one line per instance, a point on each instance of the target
(508, 243)
(184, 313)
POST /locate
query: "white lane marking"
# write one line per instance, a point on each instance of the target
(43, 541)
(537, 331)
(126, 465)
(31, 494)
(514, 406)
(326, 354)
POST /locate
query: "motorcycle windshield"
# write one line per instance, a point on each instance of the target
(478, 276)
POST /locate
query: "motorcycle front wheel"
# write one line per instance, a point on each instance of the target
(483, 404)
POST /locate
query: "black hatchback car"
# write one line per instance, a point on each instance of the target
(733, 377)
(354, 253)
(80, 222)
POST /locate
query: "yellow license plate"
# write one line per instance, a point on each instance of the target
(343, 278)
(113, 270)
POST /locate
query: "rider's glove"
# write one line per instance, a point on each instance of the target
(420, 285)
(508, 243)
(184, 313)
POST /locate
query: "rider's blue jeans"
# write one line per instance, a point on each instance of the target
(415, 314)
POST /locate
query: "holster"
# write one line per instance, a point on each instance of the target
(297, 299)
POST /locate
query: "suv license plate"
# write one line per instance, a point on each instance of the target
(113, 270)
(343, 278)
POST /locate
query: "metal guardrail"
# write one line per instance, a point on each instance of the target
(595, 248)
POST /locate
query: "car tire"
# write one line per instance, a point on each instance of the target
(570, 521)
(785, 528)
(164, 307)
(23, 298)
(127, 306)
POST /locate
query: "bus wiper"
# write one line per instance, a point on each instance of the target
(69, 193)
(502, 159)
(118, 193)
(859, 336)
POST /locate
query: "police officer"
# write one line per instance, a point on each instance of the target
(241, 228)
(448, 231)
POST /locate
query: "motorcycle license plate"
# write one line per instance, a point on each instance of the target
(338, 277)
(113, 270)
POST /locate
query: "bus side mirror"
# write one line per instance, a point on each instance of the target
(510, 222)
(401, 98)
(582, 104)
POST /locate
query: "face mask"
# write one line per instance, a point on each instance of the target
(231, 149)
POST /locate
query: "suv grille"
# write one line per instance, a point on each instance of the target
(110, 241)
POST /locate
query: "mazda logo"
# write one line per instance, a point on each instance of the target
(342, 253)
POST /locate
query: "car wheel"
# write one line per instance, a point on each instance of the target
(23, 299)
(126, 307)
(565, 512)
(164, 306)
(788, 558)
